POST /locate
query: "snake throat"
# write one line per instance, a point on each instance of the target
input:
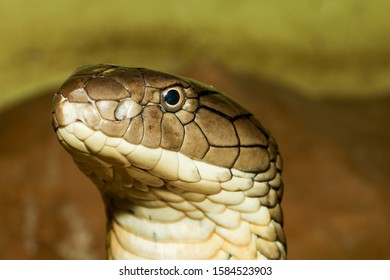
(185, 172)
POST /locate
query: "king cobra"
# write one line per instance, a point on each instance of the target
(184, 171)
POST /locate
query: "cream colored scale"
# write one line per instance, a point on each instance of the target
(185, 172)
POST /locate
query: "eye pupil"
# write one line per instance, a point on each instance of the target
(172, 97)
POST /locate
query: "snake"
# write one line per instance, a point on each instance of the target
(184, 171)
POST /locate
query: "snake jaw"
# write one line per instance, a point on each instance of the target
(193, 181)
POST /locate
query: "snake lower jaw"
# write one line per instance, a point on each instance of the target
(157, 218)
(185, 172)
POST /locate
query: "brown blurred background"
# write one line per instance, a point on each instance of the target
(316, 73)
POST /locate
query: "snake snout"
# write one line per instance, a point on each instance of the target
(185, 171)
(67, 113)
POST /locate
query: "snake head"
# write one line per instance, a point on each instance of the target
(151, 141)
(158, 110)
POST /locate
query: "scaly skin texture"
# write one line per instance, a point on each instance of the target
(184, 171)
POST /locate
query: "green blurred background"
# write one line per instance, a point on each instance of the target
(323, 48)
(314, 72)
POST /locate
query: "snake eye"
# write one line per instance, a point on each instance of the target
(172, 99)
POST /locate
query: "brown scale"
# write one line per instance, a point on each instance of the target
(208, 125)
(201, 123)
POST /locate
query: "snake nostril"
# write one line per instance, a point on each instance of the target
(65, 113)
(185, 172)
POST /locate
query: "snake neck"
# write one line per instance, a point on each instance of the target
(168, 223)
(150, 230)
(223, 214)
(185, 171)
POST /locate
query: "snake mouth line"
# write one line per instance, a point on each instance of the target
(159, 164)
(185, 172)
(219, 197)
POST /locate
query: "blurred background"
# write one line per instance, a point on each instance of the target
(316, 73)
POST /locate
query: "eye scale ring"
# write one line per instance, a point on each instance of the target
(172, 98)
